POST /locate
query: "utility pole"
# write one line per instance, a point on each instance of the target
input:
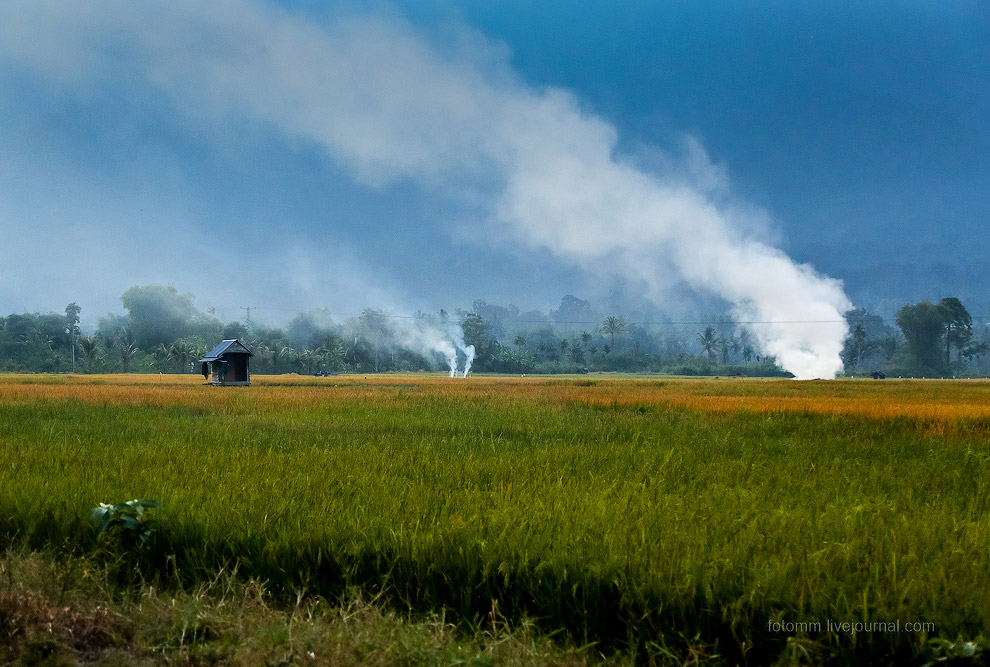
(72, 321)
(247, 320)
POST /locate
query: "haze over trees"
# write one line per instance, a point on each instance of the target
(933, 331)
(163, 331)
(931, 340)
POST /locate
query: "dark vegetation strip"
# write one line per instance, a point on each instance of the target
(75, 610)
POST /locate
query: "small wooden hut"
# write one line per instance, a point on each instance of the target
(227, 364)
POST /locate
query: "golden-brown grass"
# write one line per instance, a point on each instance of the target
(936, 401)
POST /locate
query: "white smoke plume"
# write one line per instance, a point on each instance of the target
(448, 351)
(468, 351)
(426, 338)
(393, 104)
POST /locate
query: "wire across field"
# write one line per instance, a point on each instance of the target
(629, 511)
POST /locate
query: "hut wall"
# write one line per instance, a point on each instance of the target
(237, 369)
(230, 369)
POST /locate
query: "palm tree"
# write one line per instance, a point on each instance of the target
(735, 345)
(577, 353)
(127, 350)
(279, 354)
(746, 344)
(613, 325)
(859, 343)
(723, 348)
(184, 353)
(162, 356)
(126, 347)
(334, 355)
(709, 341)
(263, 356)
(309, 360)
(90, 347)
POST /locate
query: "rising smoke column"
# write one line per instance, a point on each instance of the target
(392, 104)
(425, 338)
(468, 351)
(449, 353)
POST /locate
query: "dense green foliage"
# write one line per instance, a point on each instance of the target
(625, 523)
(929, 333)
(932, 331)
(163, 332)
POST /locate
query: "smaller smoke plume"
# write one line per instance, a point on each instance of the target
(449, 353)
(469, 354)
(427, 339)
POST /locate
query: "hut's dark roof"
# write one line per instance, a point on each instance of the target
(232, 346)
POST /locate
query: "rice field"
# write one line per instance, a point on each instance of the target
(760, 520)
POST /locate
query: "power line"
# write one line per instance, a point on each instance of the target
(434, 316)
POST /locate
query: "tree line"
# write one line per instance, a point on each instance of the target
(162, 331)
(931, 340)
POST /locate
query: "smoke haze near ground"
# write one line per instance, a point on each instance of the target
(444, 111)
(426, 339)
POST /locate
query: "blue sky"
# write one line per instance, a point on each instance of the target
(862, 128)
(852, 138)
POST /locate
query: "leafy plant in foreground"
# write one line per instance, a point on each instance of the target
(941, 650)
(132, 520)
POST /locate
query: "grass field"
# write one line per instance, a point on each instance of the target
(745, 519)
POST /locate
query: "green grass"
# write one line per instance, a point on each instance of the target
(72, 611)
(637, 527)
